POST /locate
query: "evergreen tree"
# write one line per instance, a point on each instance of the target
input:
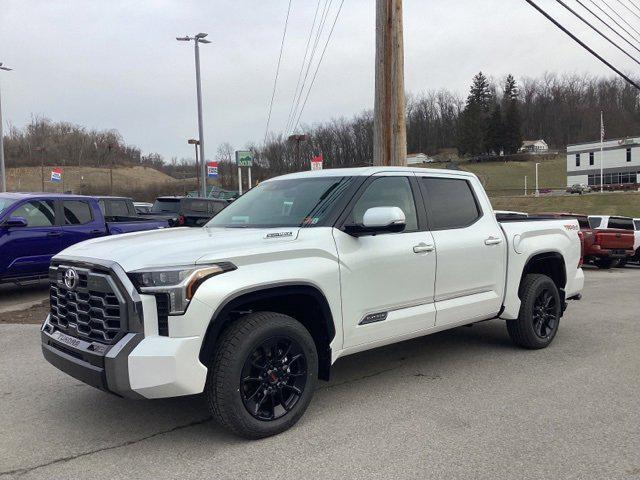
(472, 123)
(512, 134)
(494, 139)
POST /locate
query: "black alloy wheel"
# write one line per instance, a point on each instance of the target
(263, 374)
(544, 314)
(273, 378)
(540, 311)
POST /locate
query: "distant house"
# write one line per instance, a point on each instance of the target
(534, 146)
(418, 158)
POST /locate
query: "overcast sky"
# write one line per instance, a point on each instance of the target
(116, 64)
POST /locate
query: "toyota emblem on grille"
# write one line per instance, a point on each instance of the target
(71, 278)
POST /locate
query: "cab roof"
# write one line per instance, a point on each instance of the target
(368, 171)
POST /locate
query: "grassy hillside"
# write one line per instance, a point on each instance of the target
(30, 179)
(619, 203)
(507, 178)
(505, 185)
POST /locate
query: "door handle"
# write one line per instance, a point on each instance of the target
(423, 248)
(493, 241)
(54, 234)
(95, 232)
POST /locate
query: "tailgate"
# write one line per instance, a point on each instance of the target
(615, 239)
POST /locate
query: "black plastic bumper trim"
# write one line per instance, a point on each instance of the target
(78, 369)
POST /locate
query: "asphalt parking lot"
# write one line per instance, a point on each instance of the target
(459, 404)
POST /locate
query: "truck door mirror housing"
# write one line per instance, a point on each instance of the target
(15, 222)
(378, 220)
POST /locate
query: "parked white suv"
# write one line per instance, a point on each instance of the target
(303, 269)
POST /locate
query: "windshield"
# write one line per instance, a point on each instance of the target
(635, 222)
(166, 206)
(300, 202)
(6, 203)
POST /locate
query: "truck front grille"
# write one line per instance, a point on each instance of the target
(90, 307)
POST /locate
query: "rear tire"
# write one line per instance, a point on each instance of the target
(263, 375)
(539, 316)
(605, 263)
(622, 262)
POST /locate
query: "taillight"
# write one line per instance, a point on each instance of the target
(598, 237)
(181, 220)
(581, 237)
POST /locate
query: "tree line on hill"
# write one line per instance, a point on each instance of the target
(495, 117)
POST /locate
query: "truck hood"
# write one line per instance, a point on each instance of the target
(181, 246)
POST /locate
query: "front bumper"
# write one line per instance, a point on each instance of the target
(135, 367)
(141, 363)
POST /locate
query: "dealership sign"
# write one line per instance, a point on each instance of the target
(244, 158)
(212, 169)
(316, 163)
(56, 175)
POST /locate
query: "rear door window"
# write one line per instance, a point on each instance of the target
(118, 208)
(196, 206)
(622, 223)
(37, 213)
(169, 205)
(450, 202)
(595, 222)
(76, 212)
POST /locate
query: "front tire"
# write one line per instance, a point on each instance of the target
(539, 316)
(263, 375)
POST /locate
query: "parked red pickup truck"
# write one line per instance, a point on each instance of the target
(605, 247)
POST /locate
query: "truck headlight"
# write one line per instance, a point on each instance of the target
(179, 283)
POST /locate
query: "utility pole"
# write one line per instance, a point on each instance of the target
(3, 173)
(197, 40)
(389, 126)
(525, 185)
(537, 189)
(195, 143)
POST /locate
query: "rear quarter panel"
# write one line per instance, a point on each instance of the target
(528, 239)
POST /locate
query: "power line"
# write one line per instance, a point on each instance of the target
(323, 19)
(610, 28)
(581, 43)
(598, 31)
(622, 19)
(304, 60)
(612, 19)
(625, 6)
(275, 81)
(319, 63)
(634, 5)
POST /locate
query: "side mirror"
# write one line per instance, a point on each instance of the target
(15, 222)
(379, 220)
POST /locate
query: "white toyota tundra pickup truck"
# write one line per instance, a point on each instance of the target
(254, 307)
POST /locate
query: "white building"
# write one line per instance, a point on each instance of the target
(418, 158)
(534, 146)
(620, 162)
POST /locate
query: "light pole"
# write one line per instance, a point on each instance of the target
(298, 139)
(195, 143)
(197, 40)
(537, 189)
(2, 170)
